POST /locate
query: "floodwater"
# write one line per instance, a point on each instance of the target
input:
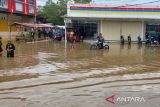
(48, 75)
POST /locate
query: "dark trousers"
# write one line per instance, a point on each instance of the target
(10, 54)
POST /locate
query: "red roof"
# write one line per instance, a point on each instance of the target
(31, 25)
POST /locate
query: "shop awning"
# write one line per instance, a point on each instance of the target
(32, 25)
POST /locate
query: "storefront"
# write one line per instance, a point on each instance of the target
(12, 11)
(86, 28)
(115, 20)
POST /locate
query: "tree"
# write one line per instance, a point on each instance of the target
(62, 6)
(49, 2)
(53, 12)
(41, 17)
(82, 1)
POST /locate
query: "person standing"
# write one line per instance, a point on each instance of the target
(100, 40)
(122, 39)
(44, 33)
(129, 39)
(72, 39)
(33, 33)
(139, 40)
(10, 49)
(1, 46)
(39, 33)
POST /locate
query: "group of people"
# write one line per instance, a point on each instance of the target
(74, 36)
(52, 33)
(128, 38)
(10, 48)
(152, 39)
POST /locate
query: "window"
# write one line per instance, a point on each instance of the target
(31, 9)
(31, 1)
(31, 6)
(19, 5)
(88, 28)
(3, 3)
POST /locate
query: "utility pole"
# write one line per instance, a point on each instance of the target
(35, 18)
(9, 19)
(65, 34)
(66, 20)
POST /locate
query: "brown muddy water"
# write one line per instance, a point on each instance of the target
(48, 75)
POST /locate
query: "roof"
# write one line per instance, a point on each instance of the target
(113, 11)
(32, 25)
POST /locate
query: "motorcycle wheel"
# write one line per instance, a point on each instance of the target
(92, 47)
(106, 47)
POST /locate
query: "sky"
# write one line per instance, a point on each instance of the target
(42, 2)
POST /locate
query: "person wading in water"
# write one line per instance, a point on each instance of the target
(72, 39)
(10, 49)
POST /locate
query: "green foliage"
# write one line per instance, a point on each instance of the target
(55, 11)
(82, 1)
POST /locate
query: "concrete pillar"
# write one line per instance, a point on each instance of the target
(143, 30)
(142, 33)
(101, 27)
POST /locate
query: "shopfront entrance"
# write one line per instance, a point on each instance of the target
(87, 29)
(153, 31)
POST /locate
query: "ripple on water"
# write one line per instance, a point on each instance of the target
(115, 65)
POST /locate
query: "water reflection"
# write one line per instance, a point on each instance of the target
(139, 46)
(121, 46)
(44, 73)
(51, 59)
(129, 46)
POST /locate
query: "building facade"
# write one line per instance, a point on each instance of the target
(115, 20)
(15, 11)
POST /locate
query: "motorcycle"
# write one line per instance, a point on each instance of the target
(97, 45)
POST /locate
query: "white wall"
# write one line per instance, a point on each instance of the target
(99, 14)
(112, 30)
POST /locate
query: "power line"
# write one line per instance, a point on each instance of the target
(144, 3)
(148, 2)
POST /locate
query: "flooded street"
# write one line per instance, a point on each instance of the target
(46, 75)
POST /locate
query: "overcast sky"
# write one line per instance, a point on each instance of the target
(42, 2)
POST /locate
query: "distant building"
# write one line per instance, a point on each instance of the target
(15, 11)
(114, 20)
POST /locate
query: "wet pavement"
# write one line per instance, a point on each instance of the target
(48, 75)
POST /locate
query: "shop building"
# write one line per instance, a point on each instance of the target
(15, 11)
(114, 20)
